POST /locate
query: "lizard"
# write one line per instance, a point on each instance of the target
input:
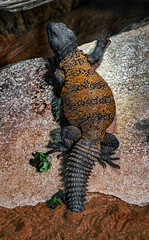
(87, 109)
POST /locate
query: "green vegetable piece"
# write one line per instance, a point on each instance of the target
(45, 167)
(42, 161)
(56, 201)
(41, 156)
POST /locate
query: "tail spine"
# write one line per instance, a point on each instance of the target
(80, 164)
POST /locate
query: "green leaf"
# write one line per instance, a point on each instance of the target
(56, 201)
(42, 160)
(41, 156)
(45, 167)
(44, 156)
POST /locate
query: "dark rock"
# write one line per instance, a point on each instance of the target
(23, 34)
(17, 5)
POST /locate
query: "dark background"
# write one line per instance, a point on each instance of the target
(23, 33)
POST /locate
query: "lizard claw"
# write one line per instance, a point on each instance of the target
(109, 160)
(104, 40)
(58, 147)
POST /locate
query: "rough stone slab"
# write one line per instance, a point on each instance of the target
(125, 68)
(26, 123)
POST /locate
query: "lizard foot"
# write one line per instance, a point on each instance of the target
(58, 147)
(104, 41)
(106, 158)
(69, 135)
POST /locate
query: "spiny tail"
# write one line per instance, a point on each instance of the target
(80, 164)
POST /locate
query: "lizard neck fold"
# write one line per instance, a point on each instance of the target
(74, 58)
(60, 56)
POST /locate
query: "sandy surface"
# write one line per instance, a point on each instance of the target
(105, 217)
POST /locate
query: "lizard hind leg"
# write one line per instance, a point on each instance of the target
(108, 145)
(70, 135)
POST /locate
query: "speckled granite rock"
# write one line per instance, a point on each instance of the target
(27, 121)
(125, 68)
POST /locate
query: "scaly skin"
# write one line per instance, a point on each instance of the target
(87, 100)
(87, 110)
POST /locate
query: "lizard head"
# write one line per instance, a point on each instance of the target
(61, 39)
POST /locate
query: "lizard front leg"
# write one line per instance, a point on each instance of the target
(58, 77)
(97, 54)
(70, 135)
